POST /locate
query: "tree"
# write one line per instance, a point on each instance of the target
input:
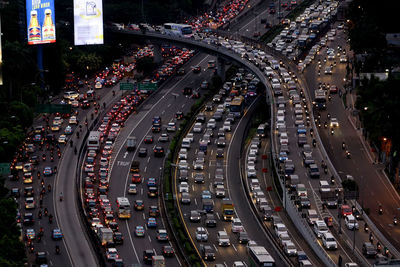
(87, 63)
(145, 65)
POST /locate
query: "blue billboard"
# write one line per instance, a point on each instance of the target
(41, 27)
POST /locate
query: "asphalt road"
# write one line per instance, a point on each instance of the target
(360, 166)
(165, 105)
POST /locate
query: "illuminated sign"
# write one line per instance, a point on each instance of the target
(40, 21)
(88, 22)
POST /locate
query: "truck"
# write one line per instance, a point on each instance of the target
(208, 205)
(320, 99)
(329, 198)
(158, 261)
(135, 167)
(131, 143)
(106, 236)
(227, 209)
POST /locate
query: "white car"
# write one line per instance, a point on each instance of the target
(283, 238)
(251, 172)
(220, 191)
(171, 127)
(197, 128)
(112, 254)
(183, 153)
(201, 234)
(290, 249)
(334, 122)
(183, 165)
(183, 187)
(190, 136)
(211, 123)
(62, 139)
(284, 139)
(227, 126)
(329, 241)
(320, 228)
(223, 239)
(351, 222)
(198, 165)
(280, 228)
(237, 225)
(73, 120)
(132, 189)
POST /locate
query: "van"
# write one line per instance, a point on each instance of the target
(312, 216)
(294, 180)
(320, 228)
(301, 190)
(203, 146)
(186, 143)
(131, 143)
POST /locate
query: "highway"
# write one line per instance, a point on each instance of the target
(167, 101)
(369, 176)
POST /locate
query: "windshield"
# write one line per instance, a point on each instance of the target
(187, 30)
(229, 212)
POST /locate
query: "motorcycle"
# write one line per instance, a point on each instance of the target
(332, 131)
(343, 146)
(332, 180)
(378, 247)
(44, 157)
(395, 221)
(57, 250)
(380, 210)
(325, 125)
(314, 143)
(348, 155)
(366, 228)
(49, 188)
(326, 170)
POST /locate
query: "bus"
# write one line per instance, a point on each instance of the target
(93, 141)
(237, 106)
(181, 30)
(259, 257)
(124, 208)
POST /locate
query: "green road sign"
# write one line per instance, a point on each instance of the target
(127, 86)
(53, 108)
(147, 86)
(5, 168)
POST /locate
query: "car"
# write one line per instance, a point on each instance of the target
(198, 165)
(196, 69)
(369, 250)
(30, 234)
(179, 115)
(55, 127)
(156, 128)
(151, 222)
(171, 127)
(290, 249)
(112, 254)
(158, 151)
(68, 130)
(28, 178)
(132, 189)
(351, 222)
(346, 210)
(151, 182)
(210, 220)
(243, 237)
(163, 138)
(207, 252)
(62, 139)
(185, 198)
(194, 216)
(154, 211)
(167, 251)
(56, 234)
(139, 204)
(41, 258)
(136, 178)
(199, 178)
(142, 152)
(334, 122)
(152, 191)
(47, 171)
(219, 153)
(201, 234)
(221, 141)
(148, 139)
(148, 256)
(206, 194)
(237, 226)
(183, 187)
(223, 239)
(329, 241)
(118, 238)
(29, 203)
(197, 128)
(139, 231)
(162, 235)
(28, 219)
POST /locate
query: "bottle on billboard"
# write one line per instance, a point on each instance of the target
(48, 29)
(34, 32)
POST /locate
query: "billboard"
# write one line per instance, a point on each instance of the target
(40, 21)
(88, 22)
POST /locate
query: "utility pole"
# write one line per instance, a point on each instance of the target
(2, 5)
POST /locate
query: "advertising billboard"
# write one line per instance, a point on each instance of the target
(40, 21)
(88, 22)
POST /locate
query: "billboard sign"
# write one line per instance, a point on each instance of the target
(40, 21)
(88, 22)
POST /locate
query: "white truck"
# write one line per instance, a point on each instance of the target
(158, 261)
(106, 236)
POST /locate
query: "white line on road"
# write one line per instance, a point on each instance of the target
(233, 245)
(195, 201)
(149, 238)
(215, 247)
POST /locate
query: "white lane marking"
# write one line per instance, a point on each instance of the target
(215, 247)
(195, 201)
(149, 238)
(233, 245)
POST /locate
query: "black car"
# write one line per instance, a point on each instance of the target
(118, 238)
(199, 178)
(156, 128)
(147, 256)
(34, 160)
(142, 152)
(152, 191)
(243, 238)
(148, 139)
(85, 104)
(187, 91)
(28, 219)
(209, 107)
(211, 221)
(41, 257)
(158, 152)
(305, 202)
(167, 251)
(50, 138)
(369, 250)
(181, 71)
(179, 115)
(207, 252)
(196, 69)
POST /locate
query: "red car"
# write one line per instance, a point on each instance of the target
(136, 178)
(346, 210)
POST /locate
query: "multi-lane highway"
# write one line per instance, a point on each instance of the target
(167, 101)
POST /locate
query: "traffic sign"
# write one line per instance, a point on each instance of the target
(147, 86)
(53, 108)
(5, 168)
(127, 86)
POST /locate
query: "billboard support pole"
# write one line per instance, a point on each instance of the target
(40, 63)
